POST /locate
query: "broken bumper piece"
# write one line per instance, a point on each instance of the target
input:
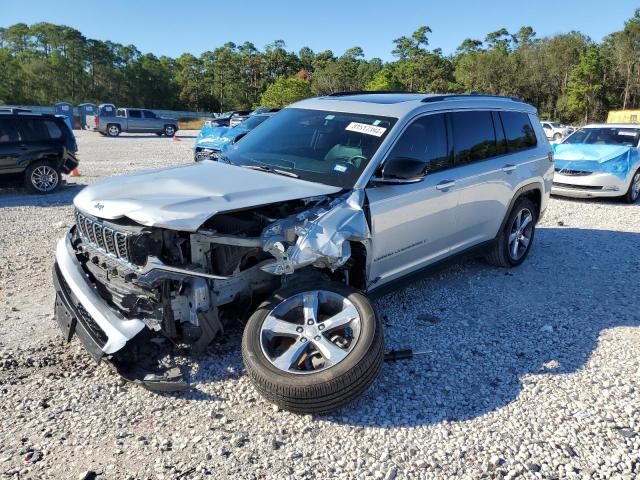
(80, 311)
(102, 330)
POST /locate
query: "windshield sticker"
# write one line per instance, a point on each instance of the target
(340, 168)
(366, 129)
(329, 117)
(629, 133)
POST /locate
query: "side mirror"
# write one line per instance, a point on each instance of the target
(398, 170)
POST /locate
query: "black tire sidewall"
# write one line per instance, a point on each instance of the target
(164, 131)
(255, 359)
(109, 133)
(519, 205)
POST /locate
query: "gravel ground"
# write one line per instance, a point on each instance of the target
(528, 373)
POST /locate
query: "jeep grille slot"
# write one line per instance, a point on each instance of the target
(102, 237)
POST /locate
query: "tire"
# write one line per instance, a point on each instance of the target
(113, 130)
(326, 387)
(503, 252)
(169, 130)
(557, 137)
(42, 177)
(634, 189)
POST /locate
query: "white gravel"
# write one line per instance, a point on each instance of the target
(529, 373)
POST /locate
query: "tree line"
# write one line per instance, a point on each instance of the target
(568, 76)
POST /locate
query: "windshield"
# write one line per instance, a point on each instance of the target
(319, 146)
(252, 122)
(605, 136)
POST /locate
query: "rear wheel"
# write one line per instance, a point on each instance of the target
(42, 177)
(634, 189)
(516, 237)
(113, 130)
(314, 347)
(169, 130)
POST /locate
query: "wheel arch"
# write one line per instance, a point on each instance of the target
(532, 191)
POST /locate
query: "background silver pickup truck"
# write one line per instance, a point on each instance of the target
(134, 120)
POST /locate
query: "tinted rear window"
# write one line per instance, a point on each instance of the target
(33, 129)
(518, 131)
(135, 114)
(8, 131)
(474, 136)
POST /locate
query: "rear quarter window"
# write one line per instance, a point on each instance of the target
(53, 129)
(33, 129)
(518, 131)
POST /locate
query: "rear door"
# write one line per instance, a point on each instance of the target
(488, 167)
(136, 122)
(11, 147)
(413, 224)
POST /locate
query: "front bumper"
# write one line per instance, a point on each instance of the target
(81, 310)
(589, 186)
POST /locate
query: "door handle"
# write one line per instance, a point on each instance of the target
(445, 185)
(508, 168)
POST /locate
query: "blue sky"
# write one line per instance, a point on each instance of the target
(169, 28)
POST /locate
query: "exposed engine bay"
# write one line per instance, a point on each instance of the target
(186, 286)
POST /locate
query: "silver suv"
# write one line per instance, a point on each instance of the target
(332, 199)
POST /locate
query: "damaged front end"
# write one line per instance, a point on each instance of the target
(124, 288)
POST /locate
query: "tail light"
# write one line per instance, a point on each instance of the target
(97, 121)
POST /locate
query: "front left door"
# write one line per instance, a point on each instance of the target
(413, 224)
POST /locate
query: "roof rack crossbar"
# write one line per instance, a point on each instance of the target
(367, 92)
(438, 98)
(13, 110)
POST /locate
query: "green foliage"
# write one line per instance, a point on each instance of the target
(567, 76)
(285, 91)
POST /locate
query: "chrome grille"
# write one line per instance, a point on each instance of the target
(573, 173)
(102, 237)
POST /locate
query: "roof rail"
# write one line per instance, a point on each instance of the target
(438, 98)
(15, 110)
(366, 92)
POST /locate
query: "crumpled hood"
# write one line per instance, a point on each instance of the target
(183, 198)
(615, 159)
(591, 153)
(209, 134)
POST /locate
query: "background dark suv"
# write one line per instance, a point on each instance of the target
(37, 147)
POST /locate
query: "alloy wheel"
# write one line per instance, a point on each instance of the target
(635, 186)
(520, 234)
(45, 178)
(310, 332)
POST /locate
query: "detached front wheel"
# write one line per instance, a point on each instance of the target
(314, 347)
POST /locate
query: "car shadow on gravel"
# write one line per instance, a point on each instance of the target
(11, 196)
(488, 331)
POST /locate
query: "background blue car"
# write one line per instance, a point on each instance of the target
(212, 141)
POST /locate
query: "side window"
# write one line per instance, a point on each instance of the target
(518, 131)
(425, 139)
(474, 136)
(135, 114)
(148, 114)
(32, 130)
(8, 132)
(120, 113)
(53, 129)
